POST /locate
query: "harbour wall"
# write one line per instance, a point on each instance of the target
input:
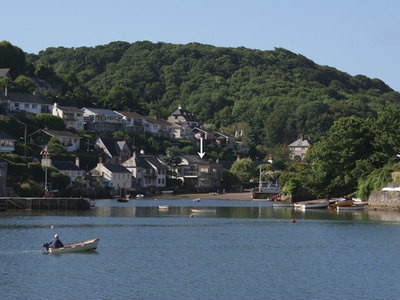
(390, 199)
(44, 203)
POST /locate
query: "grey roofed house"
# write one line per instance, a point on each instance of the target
(183, 116)
(115, 150)
(299, 147)
(4, 72)
(28, 98)
(65, 166)
(115, 168)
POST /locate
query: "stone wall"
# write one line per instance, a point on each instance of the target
(385, 199)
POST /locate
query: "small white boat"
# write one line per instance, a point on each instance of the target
(89, 245)
(203, 210)
(313, 205)
(353, 207)
(139, 196)
(282, 205)
(163, 207)
(196, 200)
(167, 192)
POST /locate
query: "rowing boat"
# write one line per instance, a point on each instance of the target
(89, 245)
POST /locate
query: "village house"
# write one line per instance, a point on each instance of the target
(157, 128)
(199, 175)
(69, 168)
(148, 171)
(113, 150)
(69, 140)
(6, 143)
(224, 139)
(101, 120)
(72, 116)
(113, 176)
(183, 117)
(179, 131)
(133, 123)
(299, 148)
(29, 103)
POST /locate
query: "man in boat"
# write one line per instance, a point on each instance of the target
(55, 242)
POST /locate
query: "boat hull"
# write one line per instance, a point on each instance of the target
(315, 205)
(89, 245)
(347, 208)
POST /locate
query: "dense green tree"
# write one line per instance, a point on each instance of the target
(334, 158)
(243, 169)
(172, 158)
(49, 121)
(12, 57)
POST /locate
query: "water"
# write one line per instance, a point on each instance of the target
(239, 250)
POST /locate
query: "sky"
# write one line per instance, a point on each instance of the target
(353, 36)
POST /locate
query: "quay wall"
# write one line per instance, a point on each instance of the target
(390, 199)
(45, 203)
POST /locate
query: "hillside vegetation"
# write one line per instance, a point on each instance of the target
(278, 94)
(272, 96)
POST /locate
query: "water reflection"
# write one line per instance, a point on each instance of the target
(210, 209)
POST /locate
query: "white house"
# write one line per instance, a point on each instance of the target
(183, 116)
(148, 171)
(6, 143)
(101, 120)
(133, 122)
(299, 148)
(113, 176)
(30, 103)
(156, 127)
(72, 116)
(72, 170)
(69, 140)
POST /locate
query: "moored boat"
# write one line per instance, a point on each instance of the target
(88, 245)
(353, 207)
(282, 205)
(313, 205)
(341, 202)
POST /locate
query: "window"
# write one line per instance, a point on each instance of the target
(26, 105)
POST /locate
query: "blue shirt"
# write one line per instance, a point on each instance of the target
(56, 243)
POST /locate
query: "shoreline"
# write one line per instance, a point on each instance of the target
(243, 196)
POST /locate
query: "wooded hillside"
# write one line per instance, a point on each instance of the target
(274, 96)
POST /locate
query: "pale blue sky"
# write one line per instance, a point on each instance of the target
(354, 36)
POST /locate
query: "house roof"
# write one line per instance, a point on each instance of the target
(301, 142)
(224, 135)
(65, 166)
(196, 160)
(157, 121)
(130, 114)
(102, 111)
(116, 168)
(28, 98)
(60, 133)
(69, 108)
(187, 115)
(5, 136)
(4, 72)
(153, 160)
(114, 145)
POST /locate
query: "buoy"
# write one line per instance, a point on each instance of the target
(52, 226)
(293, 221)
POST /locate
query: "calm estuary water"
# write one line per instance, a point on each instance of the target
(230, 250)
